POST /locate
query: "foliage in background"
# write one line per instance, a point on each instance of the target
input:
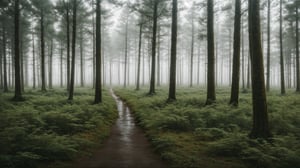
(47, 128)
(188, 134)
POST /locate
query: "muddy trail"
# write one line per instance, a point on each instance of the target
(127, 146)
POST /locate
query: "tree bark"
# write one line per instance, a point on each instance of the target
(260, 114)
(50, 64)
(68, 46)
(98, 84)
(18, 93)
(297, 52)
(192, 49)
(61, 64)
(81, 60)
(211, 94)
(126, 53)
(158, 56)
(74, 26)
(268, 46)
(282, 82)
(33, 63)
(43, 76)
(139, 57)
(5, 86)
(172, 83)
(234, 100)
(154, 31)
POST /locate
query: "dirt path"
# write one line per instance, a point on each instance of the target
(127, 146)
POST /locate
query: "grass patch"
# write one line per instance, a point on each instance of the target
(46, 128)
(188, 134)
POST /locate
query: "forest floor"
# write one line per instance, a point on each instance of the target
(188, 134)
(47, 130)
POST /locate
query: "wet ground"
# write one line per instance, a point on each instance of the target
(127, 146)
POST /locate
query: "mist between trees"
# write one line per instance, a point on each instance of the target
(96, 43)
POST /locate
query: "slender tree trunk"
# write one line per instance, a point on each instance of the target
(297, 52)
(1, 72)
(33, 63)
(172, 83)
(94, 49)
(282, 82)
(18, 93)
(144, 65)
(211, 94)
(98, 84)
(71, 92)
(234, 100)
(260, 113)
(139, 57)
(192, 50)
(68, 46)
(198, 67)
(243, 56)
(126, 53)
(216, 62)
(268, 46)
(110, 72)
(154, 31)
(81, 59)
(158, 56)
(61, 65)
(50, 64)
(248, 71)
(43, 76)
(5, 86)
(230, 60)
(21, 62)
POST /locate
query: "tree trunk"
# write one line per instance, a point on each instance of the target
(81, 59)
(71, 92)
(33, 63)
(139, 58)
(260, 114)
(5, 86)
(50, 64)
(229, 57)
(211, 94)
(18, 93)
(172, 83)
(98, 84)
(268, 46)
(192, 50)
(126, 53)
(94, 49)
(243, 56)
(154, 31)
(234, 100)
(43, 53)
(158, 56)
(282, 82)
(1, 72)
(68, 46)
(198, 67)
(297, 52)
(61, 65)
(21, 62)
